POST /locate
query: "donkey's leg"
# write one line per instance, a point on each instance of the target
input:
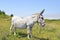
(28, 31)
(11, 28)
(14, 30)
(40, 28)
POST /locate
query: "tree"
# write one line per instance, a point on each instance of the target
(11, 15)
(2, 12)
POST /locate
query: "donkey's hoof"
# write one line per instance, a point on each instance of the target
(14, 33)
(28, 37)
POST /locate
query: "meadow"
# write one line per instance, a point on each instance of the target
(50, 32)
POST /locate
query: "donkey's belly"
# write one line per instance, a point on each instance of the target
(20, 26)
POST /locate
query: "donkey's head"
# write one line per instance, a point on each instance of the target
(39, 18)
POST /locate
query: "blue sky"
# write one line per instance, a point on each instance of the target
(28, 7)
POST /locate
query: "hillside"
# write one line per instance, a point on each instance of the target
(50, 32)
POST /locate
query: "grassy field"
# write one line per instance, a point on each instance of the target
(50, 32)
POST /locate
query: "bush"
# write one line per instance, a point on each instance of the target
(11, 15)
(2, 13)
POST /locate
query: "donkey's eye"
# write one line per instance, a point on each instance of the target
(42, 18)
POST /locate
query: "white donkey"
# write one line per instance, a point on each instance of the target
(27, 22)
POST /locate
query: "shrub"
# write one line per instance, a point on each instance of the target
(11, 15)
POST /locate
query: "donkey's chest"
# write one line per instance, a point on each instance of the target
(30, 23)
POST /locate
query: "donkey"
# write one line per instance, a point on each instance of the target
(27, 22)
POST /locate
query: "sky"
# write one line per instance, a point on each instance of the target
(24, 8)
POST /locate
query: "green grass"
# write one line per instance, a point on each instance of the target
(50, 32)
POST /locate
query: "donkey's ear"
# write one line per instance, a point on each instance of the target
(42, 12)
